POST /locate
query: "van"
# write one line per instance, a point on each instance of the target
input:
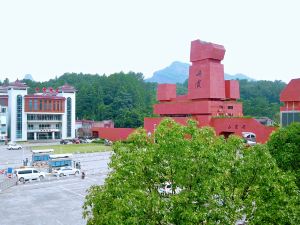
(29, 174)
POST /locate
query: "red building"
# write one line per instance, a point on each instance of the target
(290, 96)
(211, 100)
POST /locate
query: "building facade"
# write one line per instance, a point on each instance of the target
(290, 96)
(49, 114)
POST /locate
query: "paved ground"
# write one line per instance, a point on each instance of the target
(52, 201)
(46, 203)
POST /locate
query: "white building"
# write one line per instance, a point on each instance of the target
(49, 114)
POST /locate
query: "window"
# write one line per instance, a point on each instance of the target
(35, 106)
(30, 126)
(3, 110)
(69, 117)
(41, 105)
(19, 116)
(230, 107)
(50, 105)
(57, 126)
(30, 104)
(45, 105)
(289, 117)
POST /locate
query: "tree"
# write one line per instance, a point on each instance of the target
(221, 181)
(284, 145)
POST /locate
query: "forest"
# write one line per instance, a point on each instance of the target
(126, 98)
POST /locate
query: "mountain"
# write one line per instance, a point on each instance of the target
(28, 77)
(238, 76)
(178, 72)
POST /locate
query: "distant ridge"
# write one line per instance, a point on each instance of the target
(178, 72)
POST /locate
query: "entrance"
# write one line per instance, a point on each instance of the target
(226, 134)
(44, 136)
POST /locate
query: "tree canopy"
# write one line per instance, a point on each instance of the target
(122, 97)
(213, 180)
(284, 145)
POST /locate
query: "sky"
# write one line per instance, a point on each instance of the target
(46, 38)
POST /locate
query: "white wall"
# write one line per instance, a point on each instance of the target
(12, 114)
(64, 116)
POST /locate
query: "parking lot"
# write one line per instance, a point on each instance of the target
(53, 200)
(49, 202)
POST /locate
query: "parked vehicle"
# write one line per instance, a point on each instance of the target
(64, 142)
(29, 174)
(14, 147)
(76, 141)
(107, 142)
(65, 171)
(250, 138)
(166, 189)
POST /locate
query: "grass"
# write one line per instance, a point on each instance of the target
(75, 148)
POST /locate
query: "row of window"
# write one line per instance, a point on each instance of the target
(19, 116)
(45, 105)
(43, 126)
(69, 117)
(43, 117)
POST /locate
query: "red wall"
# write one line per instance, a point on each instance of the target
(239, 125)
(113, 134)
(151, 123)
(232, 89)
(166, 92)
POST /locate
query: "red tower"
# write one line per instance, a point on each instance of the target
(210, 100)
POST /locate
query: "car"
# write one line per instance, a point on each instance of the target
(166, 189)
(63, 142)
(76, 141)
(65, 171)
(14, 147)
(249, 138)
(25, 174)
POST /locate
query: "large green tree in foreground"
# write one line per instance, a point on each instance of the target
(284, 146)
(221, 181)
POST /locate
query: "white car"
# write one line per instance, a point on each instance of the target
(14, 147)
(29, 174)
(65, 171)
(166, 189)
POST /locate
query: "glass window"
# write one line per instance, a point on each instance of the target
(35, 106)
(69, 117)
(50, 105)
(41, 105)
(19, 116)
(45, 105)
(30, 104)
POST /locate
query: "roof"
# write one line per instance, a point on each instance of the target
(43, 151)
(291, 92)
(3, 89)
(17, 83)
(66, 88)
